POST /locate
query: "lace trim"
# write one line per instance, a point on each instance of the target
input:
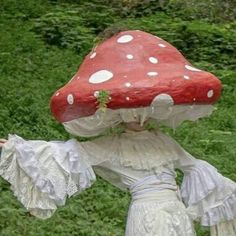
(208, 195)
(200, 182)
(38, 180)
(226, 211)
(165, 217)
(171, 116)
(142, 150)
(42, 177)
(80, 173)
(40, 205)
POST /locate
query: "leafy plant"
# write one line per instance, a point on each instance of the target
(140, 8)
(103, 99)
(65, 29)
(212, 10)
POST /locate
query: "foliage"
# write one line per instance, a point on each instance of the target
(26, 10)
(43, 42)
(71, 26)
(65, 29)
(103, 99)
(137, 8)
(211, 10)
(97, 16)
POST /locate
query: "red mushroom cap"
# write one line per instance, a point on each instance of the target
(135, 68)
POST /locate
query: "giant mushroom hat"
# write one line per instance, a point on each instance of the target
(143, 76)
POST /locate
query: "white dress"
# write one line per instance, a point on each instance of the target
(43, 174)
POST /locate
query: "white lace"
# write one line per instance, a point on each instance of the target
(156, 209)
(171, 116)
(37, 179)
(210, 195)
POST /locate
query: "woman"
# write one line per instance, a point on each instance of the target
(138, 86)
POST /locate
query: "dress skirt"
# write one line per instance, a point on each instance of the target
(158, 214)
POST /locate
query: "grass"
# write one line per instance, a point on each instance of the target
(33, 67)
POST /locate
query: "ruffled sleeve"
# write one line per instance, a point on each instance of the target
(43, 174)
(209, 196)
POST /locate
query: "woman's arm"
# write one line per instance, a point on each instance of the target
(43, 174)
(209, 196)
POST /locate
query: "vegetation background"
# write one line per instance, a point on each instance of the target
(42, 43)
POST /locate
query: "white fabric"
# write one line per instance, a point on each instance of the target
(40, 178)
(156, 208)
(224, 228)
(163, 217)
(43, 174)
(138, 150)
(208, 194)
(149, 186)
(167, 114)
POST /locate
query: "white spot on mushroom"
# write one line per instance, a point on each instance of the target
(127, 98)
(125, 38)
(78, 77)
(57, 94)
(163, 99)
(93, 55)
(96, 94)
(129, 56)
(188, 67)
(100, 76)
(161, 45)
(186, 77)
(128, 84)
(125, 76)
(70, 99)
(194, 99)
(152, 73)
(153, 60)
(110, 98)
(210, 93)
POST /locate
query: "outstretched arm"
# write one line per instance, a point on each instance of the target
(43, 174)
(209, 196)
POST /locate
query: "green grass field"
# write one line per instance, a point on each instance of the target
(42, 43)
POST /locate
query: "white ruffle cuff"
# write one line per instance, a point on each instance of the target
(42, 174)
(208, 195)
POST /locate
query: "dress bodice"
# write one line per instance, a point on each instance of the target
(128, 157)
